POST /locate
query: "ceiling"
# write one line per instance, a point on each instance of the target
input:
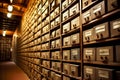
(10, 24)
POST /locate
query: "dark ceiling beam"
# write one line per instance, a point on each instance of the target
(15, 4)
(17, 13)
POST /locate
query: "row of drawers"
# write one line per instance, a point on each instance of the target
(70, 69)
(95, 73)
(103, 54)
(97, 11)
(102, 31)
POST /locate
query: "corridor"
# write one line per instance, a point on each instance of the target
(10, 71)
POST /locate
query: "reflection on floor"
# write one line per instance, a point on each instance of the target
(9, 71)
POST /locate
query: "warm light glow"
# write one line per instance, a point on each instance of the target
(11, 1)
(9, 15)
(10, 8)
(4, 33)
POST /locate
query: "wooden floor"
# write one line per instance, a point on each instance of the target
(9, 71)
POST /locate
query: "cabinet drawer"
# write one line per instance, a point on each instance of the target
(105, 54)
(57, 11)
(101, 31)
(52, 24)
(57, 55)
(66, 68)
(66, 54)
(88, 35)
(98, 10)
(117, 53)
(65, 15)
(57, 32)
(66, 27)
(85, 3)
(74, 70)
(104, 74)
(66, 41)
(52, 15)
(89, 54)
(89, 73)
(58, 66)
(115, 28)
(75, 54)
(64, 4)
(75, 23)
(57, 21)
(58, 43)
(112, 4)
(74, 10)
(75, 38)
(53, 34)
(86, 17)
(53, 44)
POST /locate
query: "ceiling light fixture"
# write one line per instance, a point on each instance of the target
(10, 8)
(11, 1)
(4, 32)
(9, 15)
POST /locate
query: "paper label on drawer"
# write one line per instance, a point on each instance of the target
(88, 33)
(74, 8)
(104, 74)
(96, 9)
(66, 26)
(104, 52)
(116, 24)
(89, 52)
(74, 52)
(74, 37)
(87, 14)
(100, 29)
(89, 70)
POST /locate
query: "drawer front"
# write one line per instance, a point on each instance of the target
(104, 74)
(58, 43)
(74, 10)
(65, 15)
(52, 16)
(57, 55)
(57, 32)
(101, 31)
(89, 54)
(112, 4)
(75, 23)
(74, 70)
(88, 35)
(117, 53)
(64, 4)
(86, 17)
(105, 54)
(75, 39)
(58, 66)
(66, 68)
(98, 10)
(57, 11)
(89, 73)
(52, 24)
(75, 54)
(66, 78)
(66, 55)
(66, 41)
(115, 28)
(53, 44)
(66, 28)
(85, 3)
(57, 21)
(53, 34)
(53, 55)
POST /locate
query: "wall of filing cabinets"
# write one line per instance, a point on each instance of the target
(5, 48)
(70, 40)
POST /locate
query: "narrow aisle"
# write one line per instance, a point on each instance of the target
(10, 71)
